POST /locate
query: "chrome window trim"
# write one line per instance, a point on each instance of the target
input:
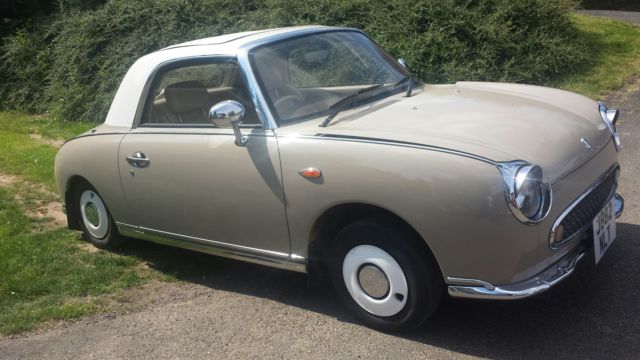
(145, 91)
(245, 62)
(170, 131)
(556, 223)
(242, 58)
(269, 258)
(259, 102)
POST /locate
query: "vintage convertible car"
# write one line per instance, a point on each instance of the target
(311, 149)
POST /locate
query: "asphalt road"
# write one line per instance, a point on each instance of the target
(226, 309)
(630, 16)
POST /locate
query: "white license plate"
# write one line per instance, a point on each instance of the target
(604, 229)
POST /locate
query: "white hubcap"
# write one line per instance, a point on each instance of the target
(375, 280)
(94, 214)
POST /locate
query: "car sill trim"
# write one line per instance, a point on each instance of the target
(268, 258)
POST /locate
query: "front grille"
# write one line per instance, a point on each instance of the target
(582, 214)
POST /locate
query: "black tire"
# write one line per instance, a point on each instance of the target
(112, 239)
(422, 274)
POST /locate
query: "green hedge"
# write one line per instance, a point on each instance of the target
(71, 63)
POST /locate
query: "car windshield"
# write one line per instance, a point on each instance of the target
(305, 77)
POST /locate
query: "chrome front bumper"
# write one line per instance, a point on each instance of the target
(478, 289)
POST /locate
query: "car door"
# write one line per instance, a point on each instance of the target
(185, 179)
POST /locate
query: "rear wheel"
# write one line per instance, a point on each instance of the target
(96, 222)
(384, 276)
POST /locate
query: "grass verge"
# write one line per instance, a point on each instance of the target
(32, 160)
(616, 56)
(47, 276)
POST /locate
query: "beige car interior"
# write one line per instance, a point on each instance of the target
(188, 102)
(289, 101)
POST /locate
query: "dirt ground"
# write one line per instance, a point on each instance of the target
(37, 202)
(228, 309)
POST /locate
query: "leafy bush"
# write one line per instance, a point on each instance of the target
(450, 40)
(24, 66)
(74, 67)
(93, 49)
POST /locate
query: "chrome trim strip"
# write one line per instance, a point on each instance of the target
(470, 282)
(244, 253)
(169, 132)
(259, 102)
(394, 143)
(533, 286)
(575, 203)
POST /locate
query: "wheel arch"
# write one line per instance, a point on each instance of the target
(93, 159)
(335, 218)
(71, 208)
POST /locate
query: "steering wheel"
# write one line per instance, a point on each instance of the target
(287, 104)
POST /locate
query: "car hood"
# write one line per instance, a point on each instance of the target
(500, 122)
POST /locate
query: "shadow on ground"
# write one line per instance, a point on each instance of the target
(593, 314)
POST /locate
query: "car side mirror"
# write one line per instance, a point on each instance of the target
(229, 113)
(402, 62)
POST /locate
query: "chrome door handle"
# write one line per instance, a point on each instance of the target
(138, 159)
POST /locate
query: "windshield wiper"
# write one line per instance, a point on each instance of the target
(340, 105)
(405, 79)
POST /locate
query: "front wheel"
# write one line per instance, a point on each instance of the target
(384, 276)
(96, 222)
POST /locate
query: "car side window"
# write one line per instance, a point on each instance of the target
(183, 94)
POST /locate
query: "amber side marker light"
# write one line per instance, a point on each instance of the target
(310, 173)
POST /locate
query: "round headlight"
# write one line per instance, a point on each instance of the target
(529, 197)
(527, 191)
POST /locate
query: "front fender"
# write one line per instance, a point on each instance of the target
(456, 203)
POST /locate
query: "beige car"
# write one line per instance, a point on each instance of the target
(311, 149)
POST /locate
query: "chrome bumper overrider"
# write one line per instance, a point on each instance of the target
(477, 289)
(619, 203)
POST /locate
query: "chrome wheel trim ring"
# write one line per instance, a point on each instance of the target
(363, 256)
(94, 214)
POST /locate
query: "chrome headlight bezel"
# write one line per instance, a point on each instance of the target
(516, 175)
(610, 117)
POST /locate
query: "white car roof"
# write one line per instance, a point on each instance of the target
(125, 103)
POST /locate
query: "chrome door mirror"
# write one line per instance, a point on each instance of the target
(229, 113)
(403, 62)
